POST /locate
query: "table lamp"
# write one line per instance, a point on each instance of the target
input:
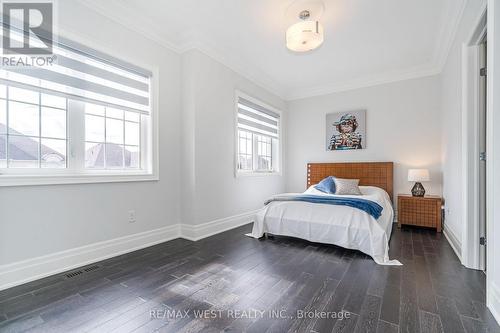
(418, 176)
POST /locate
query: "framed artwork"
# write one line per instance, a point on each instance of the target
(346, 130)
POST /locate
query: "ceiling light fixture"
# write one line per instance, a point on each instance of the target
(307, 34)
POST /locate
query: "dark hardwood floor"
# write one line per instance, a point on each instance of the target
(240, 281)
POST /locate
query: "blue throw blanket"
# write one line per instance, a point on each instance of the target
(370, 207)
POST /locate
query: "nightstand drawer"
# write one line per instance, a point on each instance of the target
(420, 211)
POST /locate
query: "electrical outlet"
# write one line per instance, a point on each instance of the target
(131, 216)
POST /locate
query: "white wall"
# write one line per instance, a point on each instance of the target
(403, 125)
(451, 82)
(45, 219)
(210, 189)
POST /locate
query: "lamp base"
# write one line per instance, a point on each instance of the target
(418, 190)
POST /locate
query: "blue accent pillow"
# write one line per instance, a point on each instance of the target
(327, 185)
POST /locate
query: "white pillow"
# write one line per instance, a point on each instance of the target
(347, 186)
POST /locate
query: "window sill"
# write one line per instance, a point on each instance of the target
(87, 178)
(256, 174)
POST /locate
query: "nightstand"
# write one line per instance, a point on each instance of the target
(420, 211)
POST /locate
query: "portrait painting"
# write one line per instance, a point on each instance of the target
(346, 130)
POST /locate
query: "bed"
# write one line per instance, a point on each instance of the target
(339, 225)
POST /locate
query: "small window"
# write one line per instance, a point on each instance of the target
(258, 135)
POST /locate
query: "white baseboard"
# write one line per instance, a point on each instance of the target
(455, 243)
(199, 231)
(32, 269)
(494, 301)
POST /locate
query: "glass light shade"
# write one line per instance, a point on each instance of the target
(304, 36)
(418, 175)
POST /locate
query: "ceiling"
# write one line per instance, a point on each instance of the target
(367, 42)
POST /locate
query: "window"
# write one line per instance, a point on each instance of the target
(245, 158)
(112, 138)
(264, 153)
(258, 134)
(86, 115)
(32, 129)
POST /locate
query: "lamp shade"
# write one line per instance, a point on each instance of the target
(418, 175)
(304, 36)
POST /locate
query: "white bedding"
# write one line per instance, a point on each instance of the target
(344, 226)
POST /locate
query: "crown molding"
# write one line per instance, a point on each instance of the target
(190, 40)
(382, 78)
(448, 33)
(446, 37)
(120, 14)
(252, 74)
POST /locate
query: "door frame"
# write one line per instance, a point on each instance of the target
(471, 102)
(493, 160)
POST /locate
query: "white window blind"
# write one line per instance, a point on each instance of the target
(257, 119)
(85, 74)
